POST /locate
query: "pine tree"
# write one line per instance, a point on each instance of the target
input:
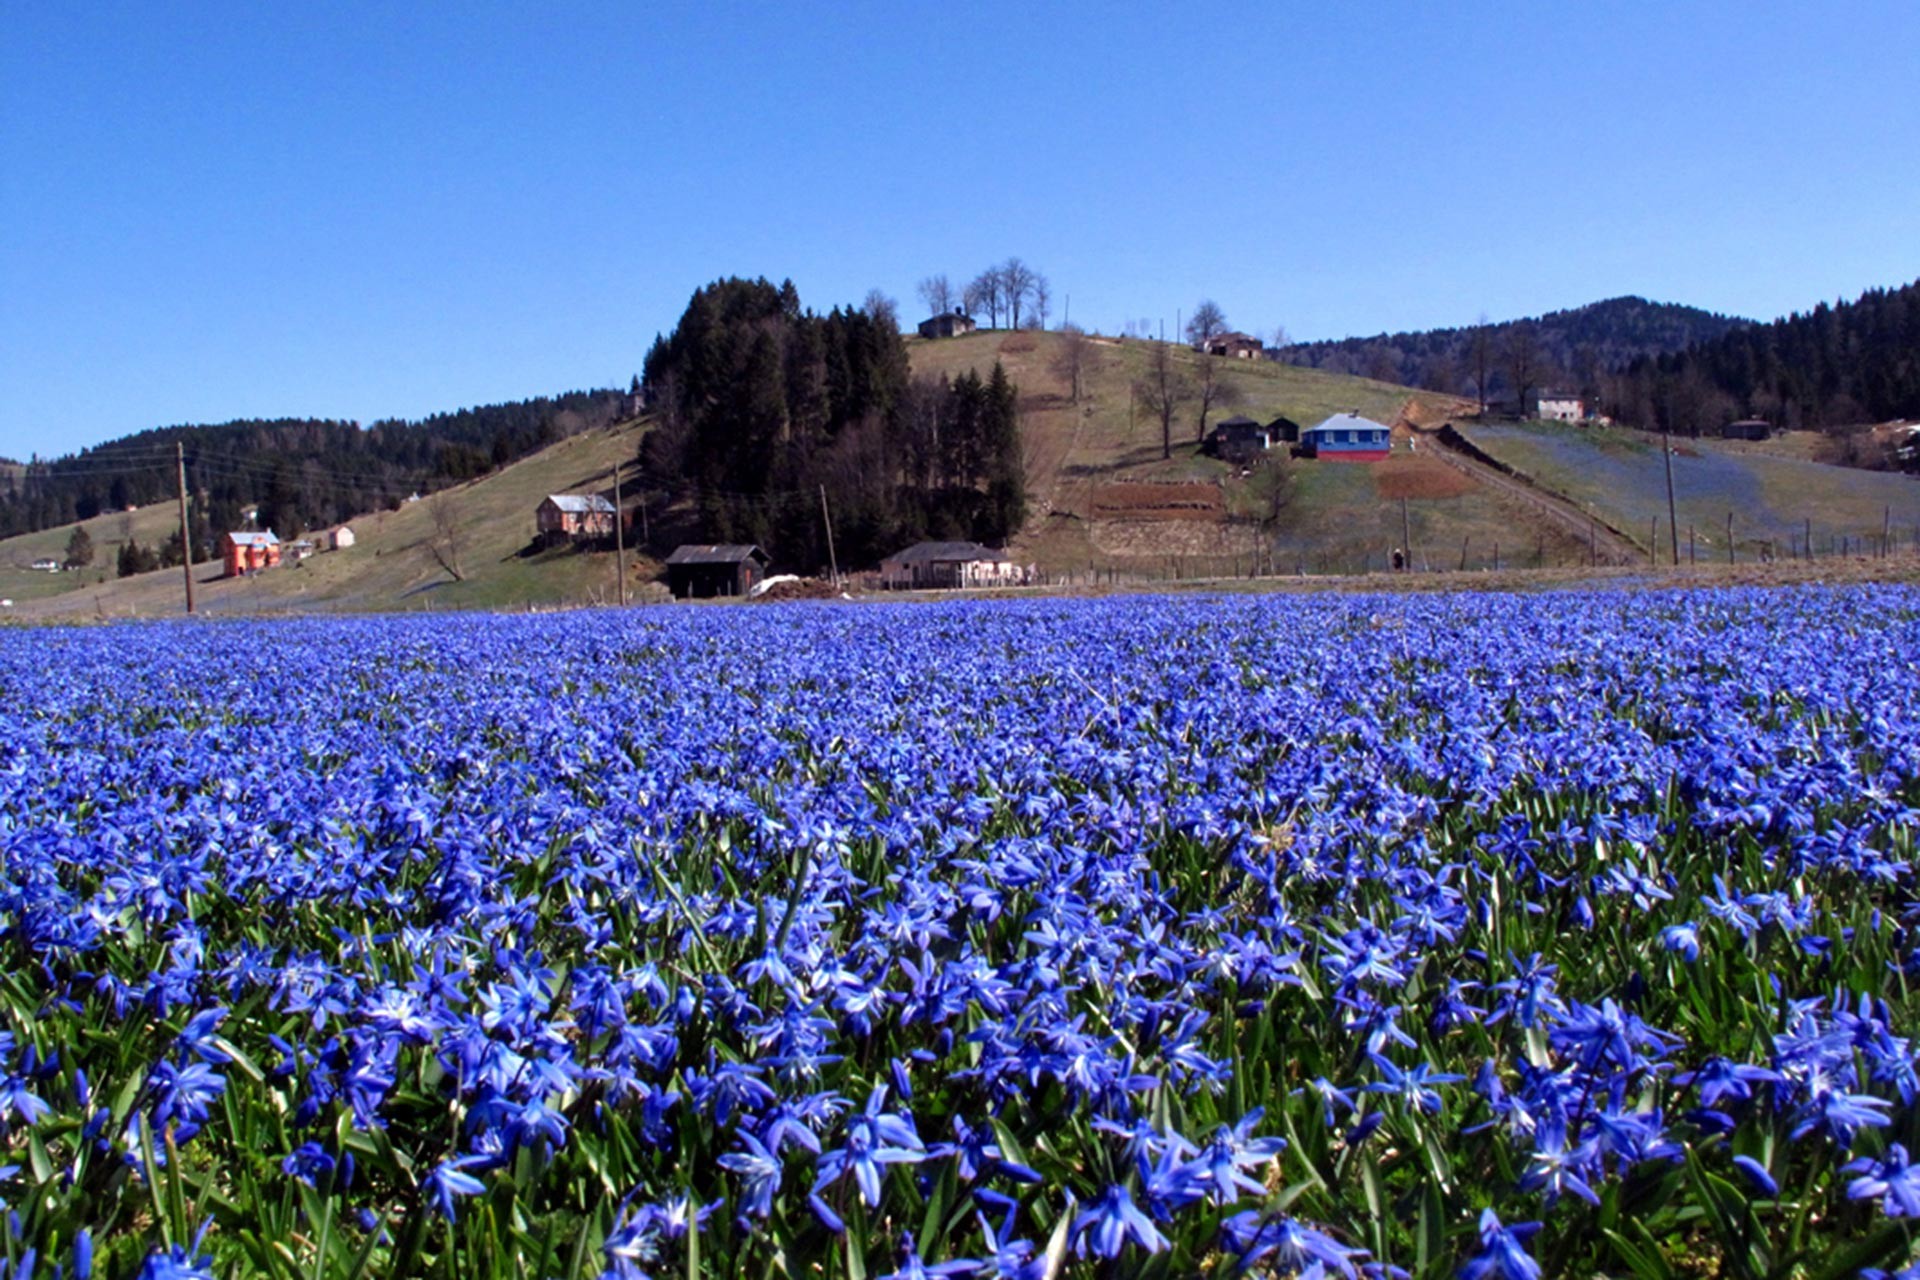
(79, 548)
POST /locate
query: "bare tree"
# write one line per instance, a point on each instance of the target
(1480, 353)
(1211, 391)
(937, 292)
(1163, 389)
(1016, 287)
(1073, 358)
(984, 295)
(1521, 352)
(1208, 320)
(879, 306)
(449, 534)
(1042, 302)
(1281, 338)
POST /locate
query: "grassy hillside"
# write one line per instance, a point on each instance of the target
(150, 526)
(1093, 469)
(391, 566)
(1617, 473)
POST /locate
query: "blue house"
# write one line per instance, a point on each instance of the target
(1347, 437)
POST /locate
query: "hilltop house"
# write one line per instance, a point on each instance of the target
(947, 564)
(1747, 429)
(701, 571)
(579, 516)
(340, 539)
(950, 324)
(247, 551)
(1556, 406)
(1236, 346)
(1347, 437)
(1283, 430)
(46, 564)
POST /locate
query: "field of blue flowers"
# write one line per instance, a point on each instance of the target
(1457, 935)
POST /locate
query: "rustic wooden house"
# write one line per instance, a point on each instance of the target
(1347, 437)
(578, 516)
(1238, 436)
(947, 564)
(702, 571)
(1236, 346)
(248, 551)
(1747, 429)
(1283, 430)
(950, 324)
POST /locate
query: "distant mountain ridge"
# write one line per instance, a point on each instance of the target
(1577, 346)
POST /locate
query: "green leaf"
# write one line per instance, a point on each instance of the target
(1646, 1264)
(1890, 1243)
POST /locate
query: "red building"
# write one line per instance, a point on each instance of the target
(246, 552)
(575, 516)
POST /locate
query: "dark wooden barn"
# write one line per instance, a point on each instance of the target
(1284, 430)
(701, 571)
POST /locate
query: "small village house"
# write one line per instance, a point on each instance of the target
(46, 564)
(340, 539)
(1283, 430)
(248, 551)
(1347, 437)
(1235, 346)
(300, 548)
(950, 324)
(1551, 405)
(1747, 429)
(929, 565)
(705, 570)
(575, 516)
(1238, 436)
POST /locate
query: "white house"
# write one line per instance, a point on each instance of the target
(948, 564)
(1556, 406)
(340, 539)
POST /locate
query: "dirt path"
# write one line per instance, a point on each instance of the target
(1609, 547)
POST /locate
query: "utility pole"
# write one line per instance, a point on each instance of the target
(826, 518)
(619, 534)
(186, 539)
(1406, 538)
(1673, 521)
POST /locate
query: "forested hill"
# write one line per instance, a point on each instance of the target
(1576, 346)
(1831, 367)
(766, 412)
(301, 473)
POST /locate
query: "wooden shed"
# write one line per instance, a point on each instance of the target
(1238, 436)
(948, 324)
(705, 570)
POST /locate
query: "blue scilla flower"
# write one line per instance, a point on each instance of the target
(1111, 1222)
(874, 1139)
(1503, 1251)
(451, 1180)
(1288, 1245)
(1892, 1181)
(759, 1169)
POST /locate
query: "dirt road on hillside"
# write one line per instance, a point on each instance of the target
(1609, 547)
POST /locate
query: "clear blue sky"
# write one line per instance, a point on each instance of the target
(361, 211)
